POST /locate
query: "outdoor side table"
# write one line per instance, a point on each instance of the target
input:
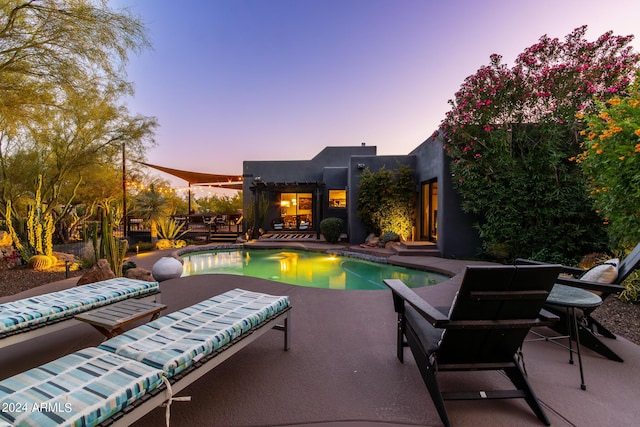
(570, 298)
(110, 319)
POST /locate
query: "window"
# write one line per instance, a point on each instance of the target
(296, 210)
(337, 198)
(430, 211)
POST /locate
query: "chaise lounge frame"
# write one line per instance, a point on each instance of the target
(174, 379)
(162, 396)
(17, 336)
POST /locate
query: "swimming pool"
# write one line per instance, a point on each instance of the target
(303, 268)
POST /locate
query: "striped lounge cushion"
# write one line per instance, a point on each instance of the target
(176, 341)
(80, 389)
(28, 312)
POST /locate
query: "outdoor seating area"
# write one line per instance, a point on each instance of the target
(604, 280)
(342, 367)
(491, 315)
(93, 385)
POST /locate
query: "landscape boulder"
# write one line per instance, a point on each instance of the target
(139, 273)
(99, 272)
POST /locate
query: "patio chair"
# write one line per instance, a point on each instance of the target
(588, 327)
(491, 315)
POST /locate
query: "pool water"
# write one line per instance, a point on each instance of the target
(302, 268)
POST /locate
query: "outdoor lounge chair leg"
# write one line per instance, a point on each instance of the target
(519, 380)
(591, 341)
(587, 338)
(428, 373)
(287, 333)
(286, 328)
(597, 327)
(400, 339)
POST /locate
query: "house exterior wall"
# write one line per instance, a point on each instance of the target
(327, 168)
(457, 238)
(342, 167)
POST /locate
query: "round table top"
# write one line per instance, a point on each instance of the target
(569, 296)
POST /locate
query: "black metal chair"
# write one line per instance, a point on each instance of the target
(491, 315)
(588, 327)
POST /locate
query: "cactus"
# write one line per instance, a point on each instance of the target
(40, 262)
(14, 236)
(40, 226)
(107, 246)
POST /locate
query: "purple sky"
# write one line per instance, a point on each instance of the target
(234, 80)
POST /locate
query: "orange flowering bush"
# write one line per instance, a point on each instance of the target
(611, 161)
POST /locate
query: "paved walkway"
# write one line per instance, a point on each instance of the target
(341, 369)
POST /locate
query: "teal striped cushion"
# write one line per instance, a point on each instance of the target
(56, 305)
(80, 389)
(176, 341)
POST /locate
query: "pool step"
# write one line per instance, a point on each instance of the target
(416, 249)
(223, 237)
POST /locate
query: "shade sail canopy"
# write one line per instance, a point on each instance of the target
(233, 182)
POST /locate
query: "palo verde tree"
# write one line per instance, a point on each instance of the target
(511, 132)
(61, 116)
(48, 45)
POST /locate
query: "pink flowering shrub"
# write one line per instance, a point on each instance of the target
(511, 131)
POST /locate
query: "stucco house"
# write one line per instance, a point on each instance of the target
(300, 193)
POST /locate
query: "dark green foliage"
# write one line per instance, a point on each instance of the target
(510, 136)
(534, 201)
(331, 228)
(389, 236)
(128, 265)
(387, 200)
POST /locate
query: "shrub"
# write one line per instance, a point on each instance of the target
(128, 265)
(611, 159)
(510, 135)
(331, 228)
(632, 293)
(387, 200)
(389, 236)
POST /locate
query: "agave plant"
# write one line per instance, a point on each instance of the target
(170, 229)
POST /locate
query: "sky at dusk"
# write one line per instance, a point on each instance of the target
(234, 80)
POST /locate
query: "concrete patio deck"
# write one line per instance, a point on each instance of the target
(341, 369)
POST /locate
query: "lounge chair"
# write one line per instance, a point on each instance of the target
(588, 327)
(127, 376)
(492, 313)
(277, 224)
(38, 315)
(304, 225)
